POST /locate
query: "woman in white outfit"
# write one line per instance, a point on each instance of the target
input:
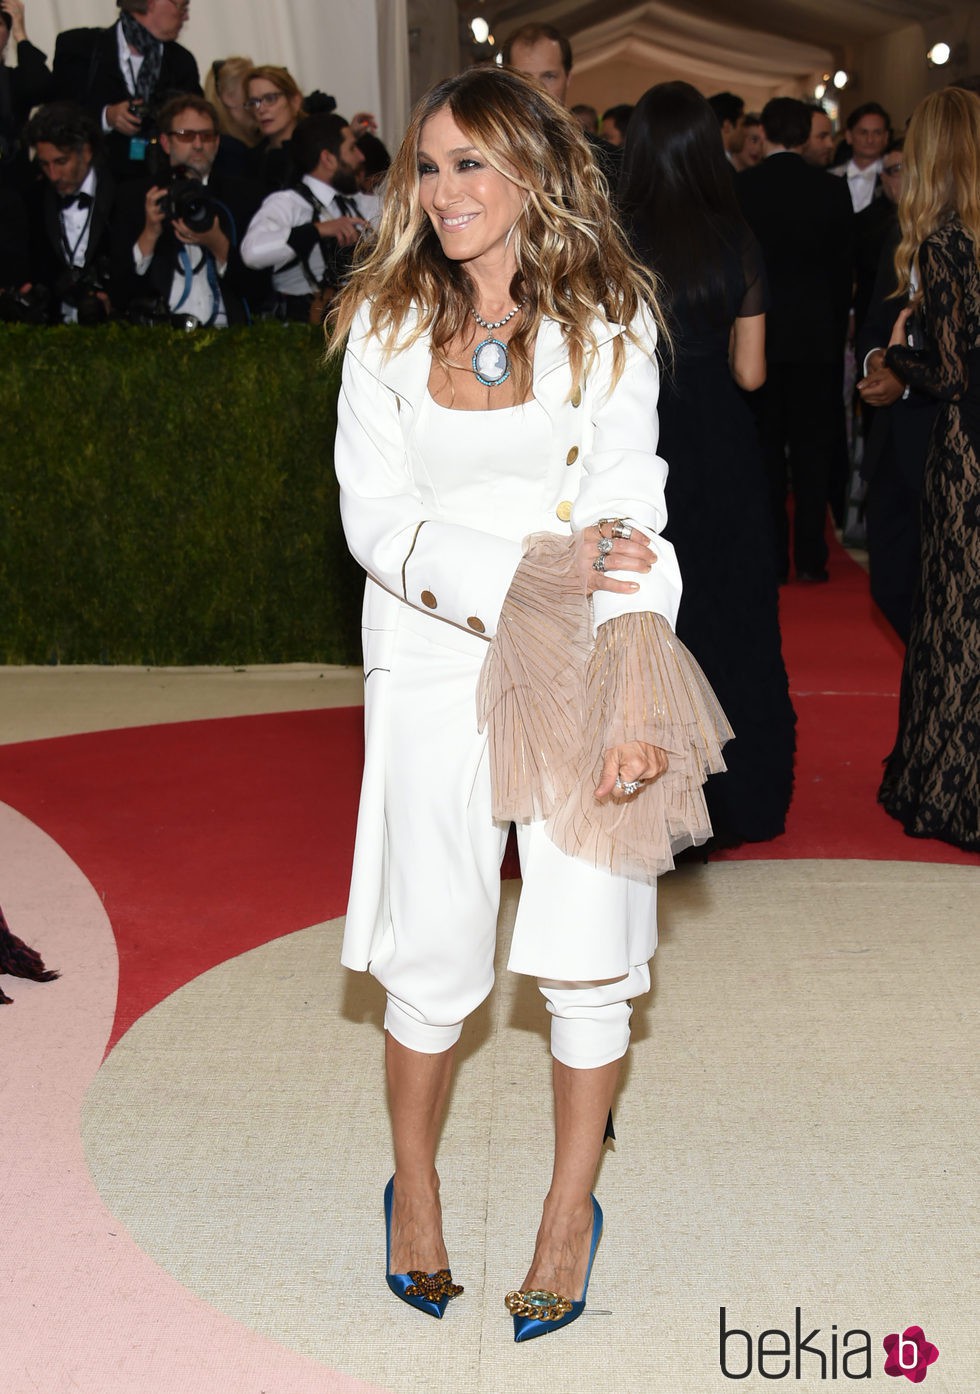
(496, 453)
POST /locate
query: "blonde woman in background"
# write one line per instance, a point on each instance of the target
(224, 87)
(932, 777)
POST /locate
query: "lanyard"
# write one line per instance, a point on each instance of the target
(70, 251)
(207, 261)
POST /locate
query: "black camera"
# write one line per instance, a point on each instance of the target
(189, 200)
(85, 289)
(25, 306)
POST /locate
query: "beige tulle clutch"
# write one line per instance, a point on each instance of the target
(555, 699)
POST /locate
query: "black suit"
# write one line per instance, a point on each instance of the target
(51, 266)
(804, 223)
(242, 289)
(87, 71)
(894, 464)
(21, 88)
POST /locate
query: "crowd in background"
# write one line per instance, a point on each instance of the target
(129, 190)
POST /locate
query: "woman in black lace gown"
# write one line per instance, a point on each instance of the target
(679, 207)
(932, 777)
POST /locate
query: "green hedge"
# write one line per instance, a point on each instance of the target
(169, 498)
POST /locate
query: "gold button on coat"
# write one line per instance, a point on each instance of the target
(564, 510)
(476, 625)
(428, 600)
(572, 455)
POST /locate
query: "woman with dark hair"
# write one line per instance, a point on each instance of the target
(497, 462)
(678, 204)
(932, 777)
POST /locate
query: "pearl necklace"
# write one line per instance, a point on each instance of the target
(491, 360)
(497, 323)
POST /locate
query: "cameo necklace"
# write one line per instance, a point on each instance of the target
(491, 360)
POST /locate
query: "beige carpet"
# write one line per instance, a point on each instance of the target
(797, 1128)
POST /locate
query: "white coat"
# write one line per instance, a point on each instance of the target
(603, 463)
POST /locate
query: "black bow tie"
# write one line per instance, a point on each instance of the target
(69, 201)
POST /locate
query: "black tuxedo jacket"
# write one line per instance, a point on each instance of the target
(86, 70)
(242, 288)
(50, 265)
(803, 220)
(902, 431)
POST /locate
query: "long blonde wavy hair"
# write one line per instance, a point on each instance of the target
(573, 262)
(941, 175)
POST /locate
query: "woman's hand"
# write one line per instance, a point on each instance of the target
(625, 554)
(635, 760)
(899, 338)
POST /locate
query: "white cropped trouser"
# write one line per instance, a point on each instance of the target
(585, 935)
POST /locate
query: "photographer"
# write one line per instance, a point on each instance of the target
(21, 88)
(176, 241)
(308, 233)
(71, 215)
(123, 74)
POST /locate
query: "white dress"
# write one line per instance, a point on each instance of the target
(435, 505)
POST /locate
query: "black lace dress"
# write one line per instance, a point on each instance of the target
(932, 777)
(718, 519)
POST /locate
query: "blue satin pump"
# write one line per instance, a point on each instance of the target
(429, 1292)
(561, 1311)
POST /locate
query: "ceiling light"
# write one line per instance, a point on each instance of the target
(480, 29)
(819, 90)
(938, 55)
(841, 79)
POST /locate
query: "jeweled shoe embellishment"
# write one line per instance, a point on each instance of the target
(434, 1286)
(545, 1306)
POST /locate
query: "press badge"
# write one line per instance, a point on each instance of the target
(137, 148)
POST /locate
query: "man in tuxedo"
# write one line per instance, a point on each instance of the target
(124, 74)
(306, 233)
(543, 53)
(159, 257)
(804, 225)
(868, 132)
(729, 112)
(71, 214)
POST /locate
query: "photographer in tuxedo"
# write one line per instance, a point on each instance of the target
(176, 242)
(71, 214)
(125, 73)
(21, 89)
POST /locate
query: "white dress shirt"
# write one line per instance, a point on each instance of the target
(860, 182)
(267, 241)
(129, 66)
(199, 301)
(76, 223)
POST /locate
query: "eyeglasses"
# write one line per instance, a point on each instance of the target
(205, 137)
(891, 169)
(266, 99)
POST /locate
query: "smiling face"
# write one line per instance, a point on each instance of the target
(471, 205)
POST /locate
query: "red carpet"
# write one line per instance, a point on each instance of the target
(208, 838)
(845, 666)
(204, 839)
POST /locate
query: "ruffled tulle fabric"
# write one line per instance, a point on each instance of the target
(555, 699)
